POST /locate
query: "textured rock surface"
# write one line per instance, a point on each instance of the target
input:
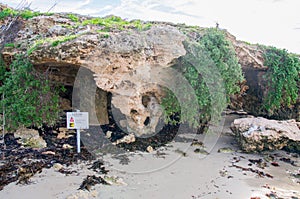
(30, 138)
(122, 62)
(258, 134)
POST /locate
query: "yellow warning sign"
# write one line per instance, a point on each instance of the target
(77, 120)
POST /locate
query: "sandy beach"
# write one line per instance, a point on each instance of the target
(176, 170)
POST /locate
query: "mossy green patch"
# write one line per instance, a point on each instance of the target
(117, 22)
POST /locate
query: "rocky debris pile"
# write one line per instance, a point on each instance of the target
(258, 134)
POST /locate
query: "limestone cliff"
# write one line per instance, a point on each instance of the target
(120, 62)
(120, 58)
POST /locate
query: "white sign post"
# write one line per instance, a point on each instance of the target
(78, 120)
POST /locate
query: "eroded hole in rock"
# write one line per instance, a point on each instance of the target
(133, 112)
(147, 121)
(145, 100)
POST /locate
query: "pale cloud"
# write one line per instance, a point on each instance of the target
(271, 22)
(256, 21)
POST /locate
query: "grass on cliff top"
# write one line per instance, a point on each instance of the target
(25, 14)
(54, 42)
(116, 22)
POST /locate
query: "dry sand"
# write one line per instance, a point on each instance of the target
(168, 173)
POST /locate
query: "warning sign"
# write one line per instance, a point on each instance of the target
(77, 120)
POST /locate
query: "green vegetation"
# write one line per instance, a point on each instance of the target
(73, 17)
(36, 45)
(211, 68)
(283, 77)
(25, 14)
(29, 97)
(60, 40)
(12, 45)
(6, 12)
(28, 14)
(223, 55)
(103, 34)
(116, 22)
(138, 24)
(53, 41)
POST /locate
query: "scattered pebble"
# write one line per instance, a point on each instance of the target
(201, 151)
(225, 150)
(67, 146)
(197, 143)
(150, 149)
(113, 180)
(57, 166)
(48, 153)
(108, 134)
(275, 164)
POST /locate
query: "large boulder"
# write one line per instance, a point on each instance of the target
(258, 134)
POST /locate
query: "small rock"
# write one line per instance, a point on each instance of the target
(108, 134)
(126, 139)
(48, 153)
(63, 135)
(57, 166)
(112, 180)
(275, 164)
(150, 149)
(225, 150)
(223, 173)
(197, 143)
(201, 151)
(67, 146)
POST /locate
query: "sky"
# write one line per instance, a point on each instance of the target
(269, 22)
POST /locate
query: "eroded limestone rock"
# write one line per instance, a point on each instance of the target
(258, 134)
(121, 60)
(30, 138)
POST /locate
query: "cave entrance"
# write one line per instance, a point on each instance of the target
(81, 90)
